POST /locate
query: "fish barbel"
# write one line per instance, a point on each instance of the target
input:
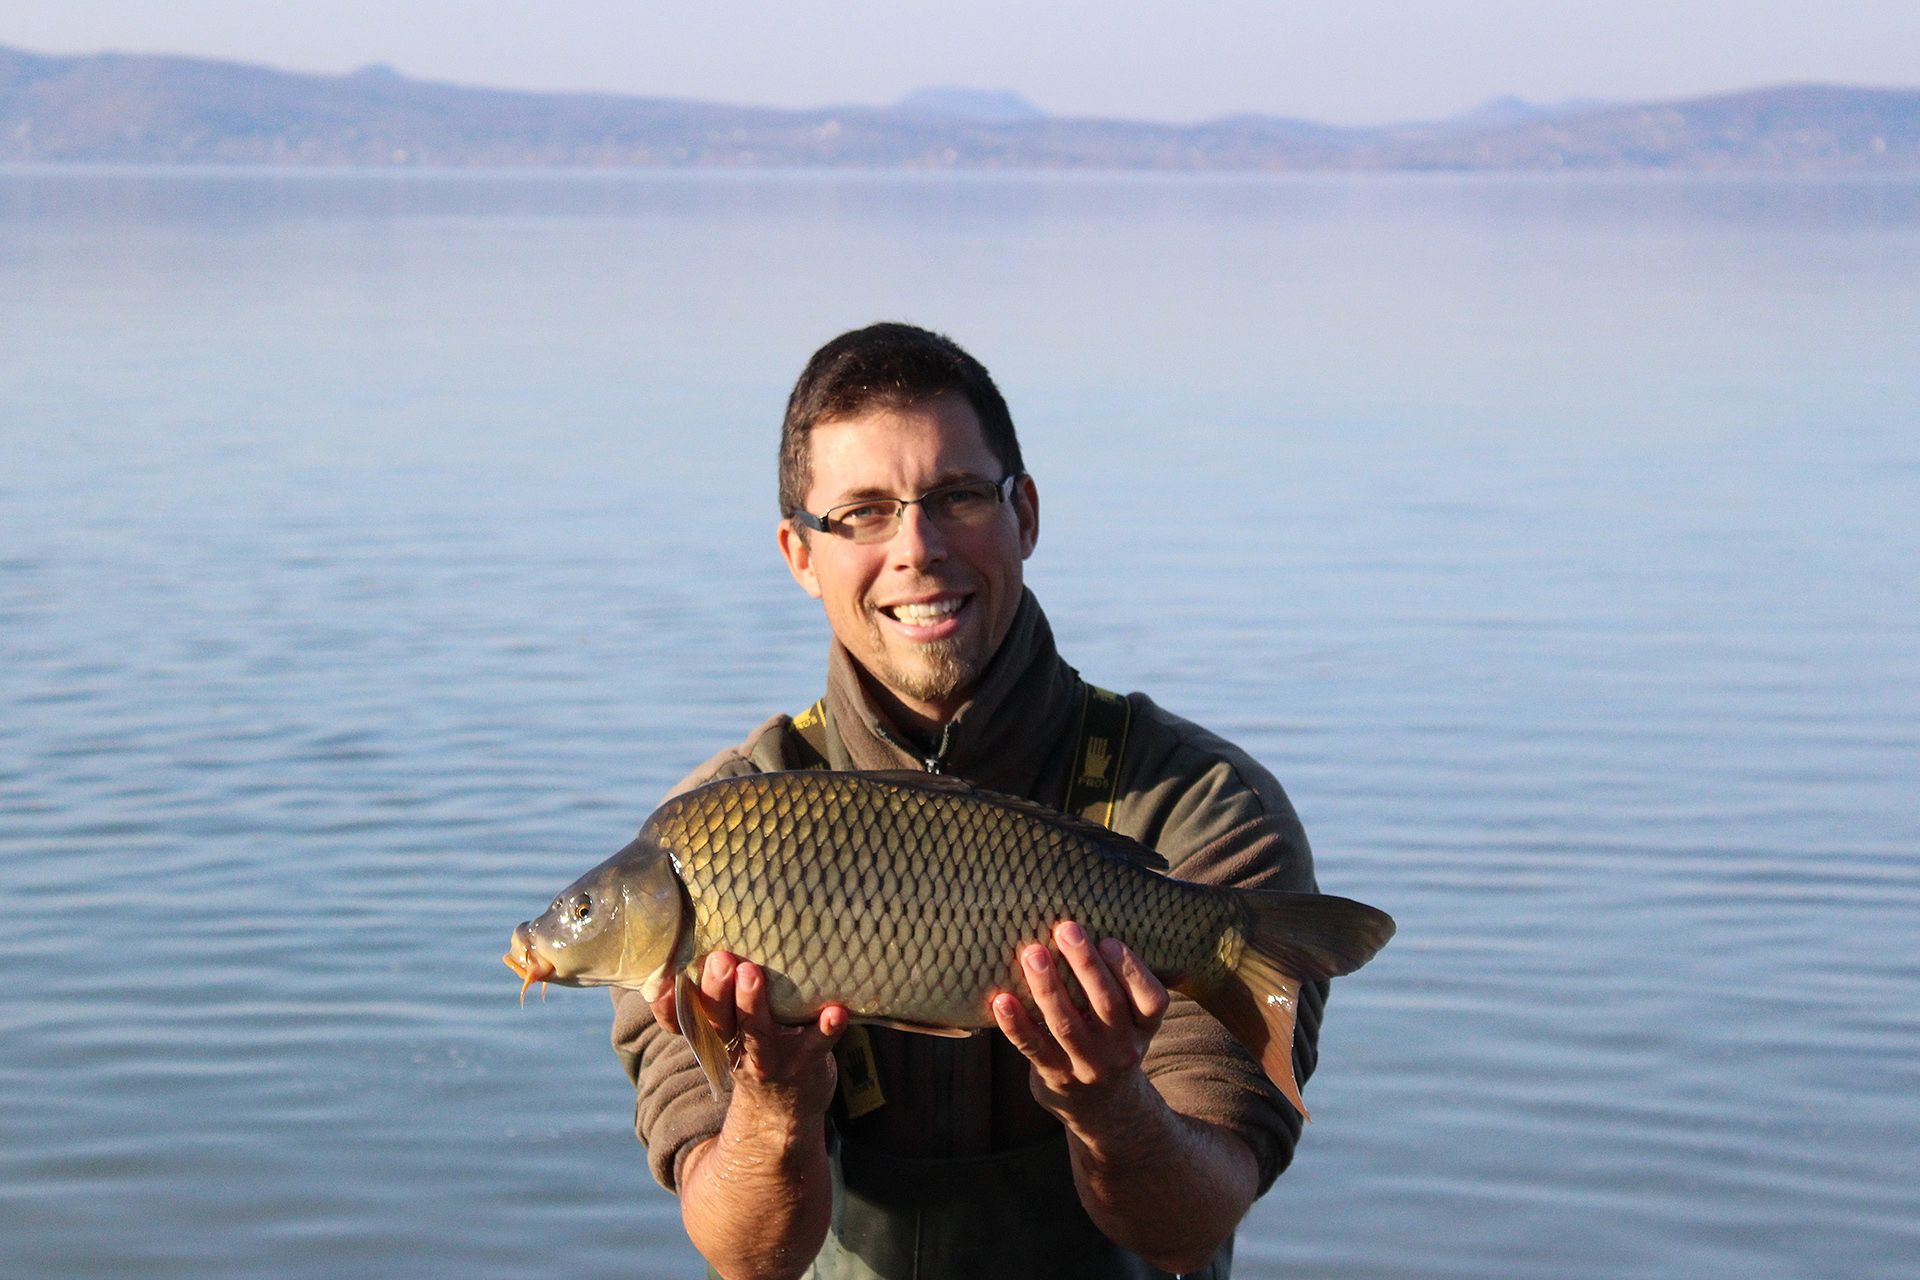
(907, 896)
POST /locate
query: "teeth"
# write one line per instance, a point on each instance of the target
(922, 614)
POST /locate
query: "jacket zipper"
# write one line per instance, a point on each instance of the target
(935, 763)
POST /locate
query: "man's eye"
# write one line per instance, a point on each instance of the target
(962, 498)
(866, 512)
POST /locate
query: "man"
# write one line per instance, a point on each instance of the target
(1124, 1138)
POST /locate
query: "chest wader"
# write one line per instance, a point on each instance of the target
(1006, 1215)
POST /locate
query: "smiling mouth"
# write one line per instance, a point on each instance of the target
(926, 613)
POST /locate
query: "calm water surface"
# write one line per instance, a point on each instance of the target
(375, 549)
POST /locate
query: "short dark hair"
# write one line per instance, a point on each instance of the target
(885, 366)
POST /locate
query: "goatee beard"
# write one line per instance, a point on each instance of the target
(937, 677)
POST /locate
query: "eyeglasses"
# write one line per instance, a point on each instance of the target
(967, 505)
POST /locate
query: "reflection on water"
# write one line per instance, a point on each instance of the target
(374, 550)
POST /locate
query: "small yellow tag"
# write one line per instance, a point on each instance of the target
(859, 1073)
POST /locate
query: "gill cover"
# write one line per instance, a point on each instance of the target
(617, 925)
(655, 906)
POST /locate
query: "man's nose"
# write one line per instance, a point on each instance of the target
(919, 539)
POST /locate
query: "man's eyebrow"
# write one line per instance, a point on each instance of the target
(864, 493)
(861, 494)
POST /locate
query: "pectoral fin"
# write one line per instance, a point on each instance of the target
(708, 1048)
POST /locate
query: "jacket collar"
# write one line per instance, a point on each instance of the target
(1006, 737)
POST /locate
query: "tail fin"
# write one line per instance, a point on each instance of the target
(1290, 938)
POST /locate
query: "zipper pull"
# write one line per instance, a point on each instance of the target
(937, 762)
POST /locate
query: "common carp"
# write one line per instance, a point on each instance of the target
(907, 896)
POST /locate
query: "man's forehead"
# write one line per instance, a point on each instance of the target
(929, 442)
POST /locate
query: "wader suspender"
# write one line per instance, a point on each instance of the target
(1100, 746)
(811, 726)
(1100, 743)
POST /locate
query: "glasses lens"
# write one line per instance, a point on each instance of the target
(866, 521)
(963, 503)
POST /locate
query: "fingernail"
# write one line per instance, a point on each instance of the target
(1112, 949)
(1039, 959)
(1072, 934)
(719, 966)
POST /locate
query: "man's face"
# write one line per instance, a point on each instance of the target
(924, 610)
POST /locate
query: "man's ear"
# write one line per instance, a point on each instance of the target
(799, 557)
(1026, 508)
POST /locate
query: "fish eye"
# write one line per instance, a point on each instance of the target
(582, 907)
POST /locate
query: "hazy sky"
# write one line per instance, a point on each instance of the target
(1346, 61)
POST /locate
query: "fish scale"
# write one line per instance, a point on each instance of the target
(910, 900)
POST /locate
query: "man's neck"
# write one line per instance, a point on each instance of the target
(921, 722)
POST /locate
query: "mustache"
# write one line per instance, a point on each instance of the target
(919, 587)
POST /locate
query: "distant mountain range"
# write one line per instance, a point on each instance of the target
(135, 109)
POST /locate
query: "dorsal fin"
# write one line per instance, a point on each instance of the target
(946, 784)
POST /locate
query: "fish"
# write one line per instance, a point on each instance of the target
(906, 897)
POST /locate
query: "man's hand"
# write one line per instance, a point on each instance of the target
(1167, 1186)
(1085, 1061)
(787, 1066)
(756, 1199)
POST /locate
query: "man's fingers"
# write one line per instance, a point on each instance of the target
(1050, 996)
(1105, 1000)
(750, 998)
(663, 1011)
(1027, 1036)
(716, 994)
(753, 1036)
(717, 977)
(829, 1026)
(769, 1043)
(1148, 993)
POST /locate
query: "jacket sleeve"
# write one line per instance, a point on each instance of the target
(1220, 818)
(674, 1110)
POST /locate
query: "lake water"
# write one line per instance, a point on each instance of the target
(374, 549)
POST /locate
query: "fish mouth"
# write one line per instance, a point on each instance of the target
(528, 963)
